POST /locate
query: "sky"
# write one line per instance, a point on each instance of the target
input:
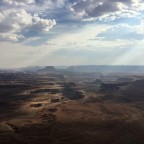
(71, 32)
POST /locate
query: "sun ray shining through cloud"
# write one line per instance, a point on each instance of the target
(46, 32)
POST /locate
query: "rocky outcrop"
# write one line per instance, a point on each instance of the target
(55, 100)
(72, 93)
(36, 105)
(50, 91)
(48, 69)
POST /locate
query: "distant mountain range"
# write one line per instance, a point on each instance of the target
(106, 69)
(84, 69)
(88, 69)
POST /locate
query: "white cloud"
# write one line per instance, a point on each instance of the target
(40, 24)
(123, 32)
(10, 37)
(17, 2)
(14, 21)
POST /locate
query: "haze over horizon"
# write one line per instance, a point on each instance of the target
(71, 32)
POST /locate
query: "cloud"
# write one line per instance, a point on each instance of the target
(57, 3)
(93, 10)
(10, 37)
(85, 38)
(50, 43)
(17, 2)
(123, 32)
(114, 16)
(40, 24)
(14, 21)
(21, 19)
